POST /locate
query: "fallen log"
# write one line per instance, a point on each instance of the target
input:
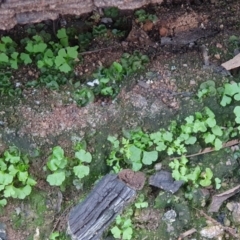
(90, 218)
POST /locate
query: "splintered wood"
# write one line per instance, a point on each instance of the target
(90, 218)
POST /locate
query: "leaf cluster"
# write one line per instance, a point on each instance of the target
(62, 167)
(15, 180)
(142, 16)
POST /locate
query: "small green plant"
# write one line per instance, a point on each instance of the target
(15, 180)
(111, 12)
(100, 31)
(84, 40)
(123, 228)
(143, 16)
(231, 91)
(140, 202)
(58, 236)
(127, 153)
(207, 88)
(83, 96)
(6, 86)
(194, 177)
(61, 167)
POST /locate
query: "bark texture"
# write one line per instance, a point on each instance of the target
(90, 218)
(14, 12)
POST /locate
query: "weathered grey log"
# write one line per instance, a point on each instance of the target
(14, 12)
(90, 218)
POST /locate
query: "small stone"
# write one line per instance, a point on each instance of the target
(219, 45)
(212, 232)
(3, 234)
(217, 56)
(192, 82)
(170, 216)
(148, 26)
(163, 32)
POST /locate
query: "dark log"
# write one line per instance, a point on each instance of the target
(90, 218)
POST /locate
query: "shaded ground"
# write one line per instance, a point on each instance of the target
(166, 91)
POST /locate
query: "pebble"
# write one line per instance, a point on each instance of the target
(3, 234)
(170, 216)
(212, 232)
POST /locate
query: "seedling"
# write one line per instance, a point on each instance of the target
(143, 16)
(207, 88)
(231, 91)
(15, 180)
(61, 167)
(124, 227)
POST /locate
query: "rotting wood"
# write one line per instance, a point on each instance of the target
(90, 218)
(14, 12)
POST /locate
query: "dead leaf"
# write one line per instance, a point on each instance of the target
(218, 199)
(233, 63)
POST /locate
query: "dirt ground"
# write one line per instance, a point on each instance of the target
(41, 118)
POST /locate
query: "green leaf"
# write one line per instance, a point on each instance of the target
(61, 33)
(58, 152)
(149, 157)
(3, 202)
(62, 53)
(72, 52)
(83, 156)
(211, 122)
(6, 40)
(135, 154)
(39, 47)
(118, 67)
(11, 158)
(209, 138)
(81, 171)
(21, 193)
(207, 175)
(217, 144)
(167, 136)
(127, 233)
(225, 100)
(191, 140)
(161, 146)
(59, 60)
(22, 176)
(217, 183)
(9, 191)
(3, 165)
(199, 126)
(14, 64)
(4, 58)
(116, 232)
(5, 178)
(56, 179)
(25, 58)
(65, 68)
(217, 130)
(114, 141)
(31, 181)
(136, 166)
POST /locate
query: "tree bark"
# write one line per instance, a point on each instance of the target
(90, 218)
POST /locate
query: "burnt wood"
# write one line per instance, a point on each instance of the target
(90, 218)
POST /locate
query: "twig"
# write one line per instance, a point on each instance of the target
(59, 218)
(208, 150)
(98, 50)
(187, 233)
(231, 231)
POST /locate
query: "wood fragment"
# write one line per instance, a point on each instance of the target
(230, 230)
(90, 218)
(187, 233)
(232, 63)
(210, 149)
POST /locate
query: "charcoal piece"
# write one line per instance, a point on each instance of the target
(90, 218)
(164, 180)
